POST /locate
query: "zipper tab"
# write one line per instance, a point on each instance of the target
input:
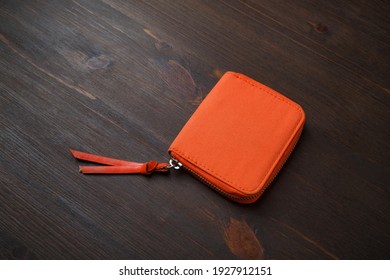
(117, 166)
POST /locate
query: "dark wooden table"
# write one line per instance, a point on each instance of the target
(120, 78)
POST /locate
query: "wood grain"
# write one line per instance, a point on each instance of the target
(120, 78)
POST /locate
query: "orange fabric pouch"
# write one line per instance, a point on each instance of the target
(239, 137)
(236, 141)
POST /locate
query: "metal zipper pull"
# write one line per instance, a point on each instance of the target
(174, 163)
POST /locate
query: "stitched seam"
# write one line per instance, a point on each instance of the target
(266, 91)
(213, 172)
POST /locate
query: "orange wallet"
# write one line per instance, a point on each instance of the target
(236, 141)
(239, 137)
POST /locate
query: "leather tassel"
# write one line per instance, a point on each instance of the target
(117, 166)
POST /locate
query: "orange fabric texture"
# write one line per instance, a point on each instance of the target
(239, 137)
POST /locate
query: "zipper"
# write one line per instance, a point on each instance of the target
(284, 161)
(281, 166)
(219, 190)
(174, 163)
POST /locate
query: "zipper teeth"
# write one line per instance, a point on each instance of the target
(281, 166)
(258, 194)
(204, 180)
